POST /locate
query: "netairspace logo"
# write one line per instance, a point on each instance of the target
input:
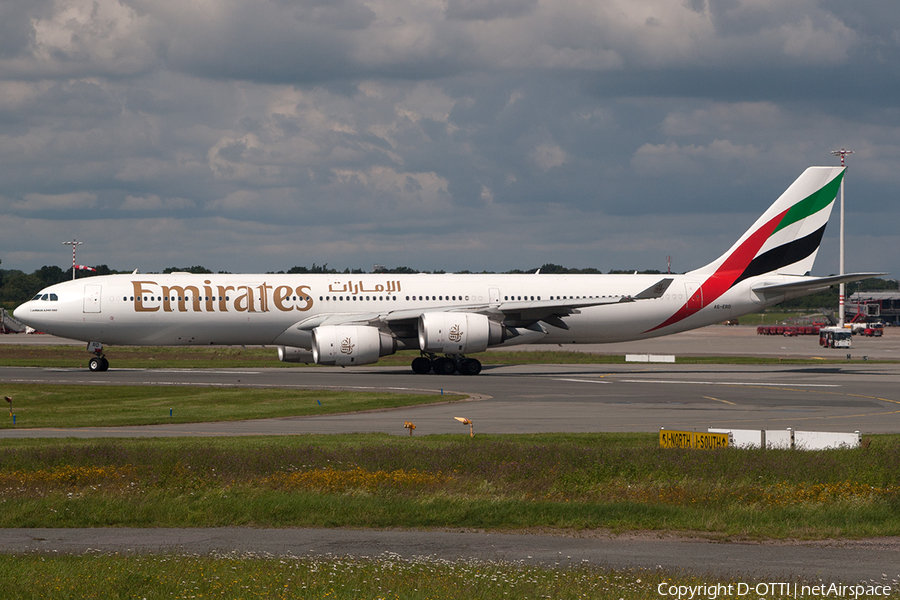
(771, 590)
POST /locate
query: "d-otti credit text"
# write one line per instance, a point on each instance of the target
(773, 590)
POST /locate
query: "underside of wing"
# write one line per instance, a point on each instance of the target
(812, 284)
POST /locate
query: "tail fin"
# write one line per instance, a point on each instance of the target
(786, 238)
(783, 241)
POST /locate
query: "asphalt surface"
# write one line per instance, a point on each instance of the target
(855, 395)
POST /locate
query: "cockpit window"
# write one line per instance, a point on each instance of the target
(47, 297)
(38, 297)
(54, 298)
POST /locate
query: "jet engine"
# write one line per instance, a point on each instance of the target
(457, 333)
(291, 354)
(350, 345)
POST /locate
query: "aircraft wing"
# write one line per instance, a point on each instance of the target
(525, 313)
(813, 284)
(513, 314)
(338, 319)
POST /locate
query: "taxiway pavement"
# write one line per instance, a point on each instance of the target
(856, 396)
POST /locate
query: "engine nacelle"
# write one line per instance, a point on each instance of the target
(349, 345)
(457, 333)
(291, 354)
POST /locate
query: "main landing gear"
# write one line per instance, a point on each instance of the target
(446, 365)
(98, 362)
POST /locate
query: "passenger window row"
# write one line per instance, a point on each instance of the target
(586, 297)
(439, 298)
(429, 298)
(359, 298)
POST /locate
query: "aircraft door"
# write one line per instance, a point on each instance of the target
(694, 294)
(494, 295)
(92, 298)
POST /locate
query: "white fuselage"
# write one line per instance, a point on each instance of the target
(188, 309)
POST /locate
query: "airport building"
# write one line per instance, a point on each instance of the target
(874, 306)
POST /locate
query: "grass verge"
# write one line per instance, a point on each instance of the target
(39, 405)
(382, 577)
(177, 357)
(569, 482)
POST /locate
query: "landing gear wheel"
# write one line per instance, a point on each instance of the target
(98, 363)
(421, 365)
(470, 366)
(444, 366)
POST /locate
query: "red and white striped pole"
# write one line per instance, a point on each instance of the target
(73, 243)
(842, 153)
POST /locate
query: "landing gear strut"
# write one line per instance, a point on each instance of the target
(446, 365)
(98, 362)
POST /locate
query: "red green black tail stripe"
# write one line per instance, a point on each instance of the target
(744, 263)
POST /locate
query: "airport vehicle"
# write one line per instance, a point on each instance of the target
(787, 330)
(350, 320)
(835, 337)
(860, 325)
(873, 330)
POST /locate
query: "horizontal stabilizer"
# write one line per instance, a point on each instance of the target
(814, 284)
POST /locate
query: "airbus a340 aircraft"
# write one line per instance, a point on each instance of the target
(355, 319)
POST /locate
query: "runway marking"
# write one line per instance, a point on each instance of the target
(874, 398)
(748, 383)
(583, 380)
(204, 372)
(794, 418)
(720, 400)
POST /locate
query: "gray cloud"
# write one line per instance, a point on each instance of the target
(466, 135)
(16, 33)
(486, 10)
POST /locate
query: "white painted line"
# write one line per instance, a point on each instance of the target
(584, 380)
(203, 371)
(779, 384)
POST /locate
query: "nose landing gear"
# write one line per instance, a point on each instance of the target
(98, 362)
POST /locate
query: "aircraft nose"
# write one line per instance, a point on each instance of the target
(19, 312)
(23, 313)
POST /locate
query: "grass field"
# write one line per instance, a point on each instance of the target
(233, 357)
(151, 577)
(382, 577)
(39, 405)
(168, 357)
(620, 482)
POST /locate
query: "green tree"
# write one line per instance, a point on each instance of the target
(50, 275)
(19, 287)
(196, 269)
(314, 269)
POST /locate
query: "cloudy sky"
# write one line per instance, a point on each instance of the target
(437, 134)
